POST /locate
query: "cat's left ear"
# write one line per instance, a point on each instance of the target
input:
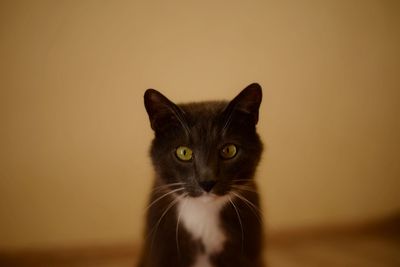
(247, 102)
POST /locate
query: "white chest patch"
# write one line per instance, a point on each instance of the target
(202, 261)
(201, 218)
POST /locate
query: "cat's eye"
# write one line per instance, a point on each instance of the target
(228, 151)
(184, 153)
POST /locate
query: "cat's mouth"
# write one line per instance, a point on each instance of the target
(209, 194)
(208, 197)
(217, 191)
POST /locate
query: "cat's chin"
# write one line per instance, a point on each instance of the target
(208, 197)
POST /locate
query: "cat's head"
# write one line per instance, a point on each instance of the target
(205, 148)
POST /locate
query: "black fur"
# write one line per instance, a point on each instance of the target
(206, 128)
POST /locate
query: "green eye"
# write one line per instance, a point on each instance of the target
(228, 151)
(184, 153)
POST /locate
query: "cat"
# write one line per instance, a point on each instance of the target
(204, 206)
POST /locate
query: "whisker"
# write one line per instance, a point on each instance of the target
(177, 227)
(178, 114)
(239, 219)
(165, 186)
(153, 231)
(245, 188)
(163, 196)
(256, 211)
(227, 123)
(240, 181)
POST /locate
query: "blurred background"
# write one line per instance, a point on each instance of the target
(74, 135)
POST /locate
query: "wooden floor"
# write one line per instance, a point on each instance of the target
(352, 251)
(370, 247)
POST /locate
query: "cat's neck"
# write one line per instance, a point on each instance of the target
(201, 218)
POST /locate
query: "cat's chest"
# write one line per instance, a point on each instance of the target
(201, 217)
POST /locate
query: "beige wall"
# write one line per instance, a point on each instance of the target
(74, 134)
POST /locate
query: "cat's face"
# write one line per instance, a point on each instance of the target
(205, 148)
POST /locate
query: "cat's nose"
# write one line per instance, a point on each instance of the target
(207, 185)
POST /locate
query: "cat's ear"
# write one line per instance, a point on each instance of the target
(247, 102)
(162, 112)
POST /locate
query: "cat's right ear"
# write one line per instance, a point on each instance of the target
(162, 112)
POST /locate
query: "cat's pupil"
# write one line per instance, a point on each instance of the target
(228, 151)
(184, 153)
